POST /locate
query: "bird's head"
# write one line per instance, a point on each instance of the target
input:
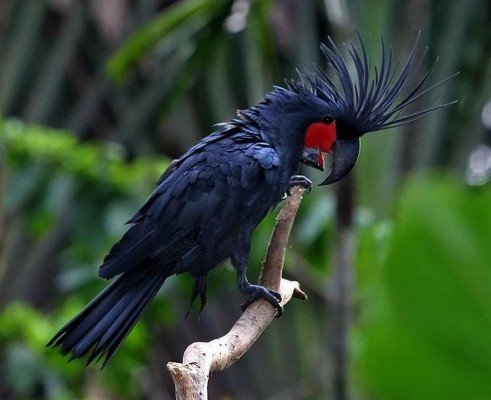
(352, 104)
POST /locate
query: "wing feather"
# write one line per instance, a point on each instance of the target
(200, 201)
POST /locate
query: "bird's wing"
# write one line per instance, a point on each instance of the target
(201, 201)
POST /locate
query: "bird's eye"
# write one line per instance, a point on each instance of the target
(327, 120)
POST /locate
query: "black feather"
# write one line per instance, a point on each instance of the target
(105, 322)
(370, 99)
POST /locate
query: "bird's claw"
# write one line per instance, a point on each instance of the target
(260, 292)
(299, 180)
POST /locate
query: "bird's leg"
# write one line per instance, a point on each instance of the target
(255, 292)
(299, 180)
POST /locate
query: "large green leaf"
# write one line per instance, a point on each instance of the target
(144, 38)
(429, 334)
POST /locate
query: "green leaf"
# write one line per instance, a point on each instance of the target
(428, 336)
(142, 39)
(90, 162)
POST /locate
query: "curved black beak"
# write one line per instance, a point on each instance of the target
(344, 153)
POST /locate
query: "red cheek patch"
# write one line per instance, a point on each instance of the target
(321, 135)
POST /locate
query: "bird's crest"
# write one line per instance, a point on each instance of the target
(369, 99)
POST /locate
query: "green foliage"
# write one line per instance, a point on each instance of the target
(421, 294)
(49, 167)
(426, 335)
(181, 15)
(58, 150)
(24, 334)
(24, 331)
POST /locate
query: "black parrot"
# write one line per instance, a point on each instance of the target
(208, 202)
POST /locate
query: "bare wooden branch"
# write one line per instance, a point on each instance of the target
(204, 358)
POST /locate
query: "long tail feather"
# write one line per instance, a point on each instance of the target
(106, 321)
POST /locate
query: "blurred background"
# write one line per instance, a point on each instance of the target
(97, 96)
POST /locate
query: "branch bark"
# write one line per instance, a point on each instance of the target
(204, 358)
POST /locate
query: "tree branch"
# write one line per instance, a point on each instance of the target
(204, 358)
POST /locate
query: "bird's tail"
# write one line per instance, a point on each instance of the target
(106, 321)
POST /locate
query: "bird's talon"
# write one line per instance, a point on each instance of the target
(299, 180)
(276, 294)
(259, 292)
(279, 311)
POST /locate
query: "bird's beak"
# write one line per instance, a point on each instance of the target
(313, 158)
(344, 156)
